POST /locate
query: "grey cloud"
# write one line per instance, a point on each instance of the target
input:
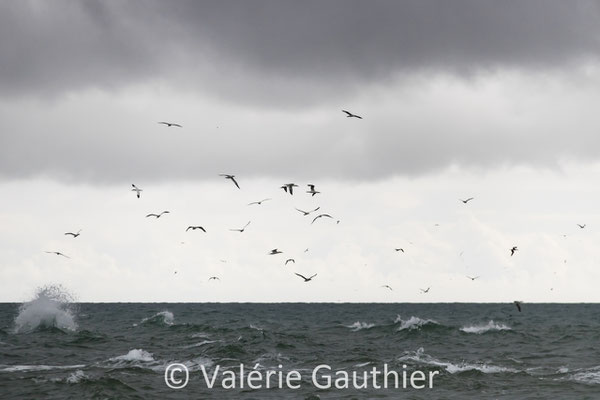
(278, 52)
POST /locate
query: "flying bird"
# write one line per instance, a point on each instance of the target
(74, 234)
(214, 278)
(290, 260)
(192, 227)
(258, 202)
(289, 188)
(305, 213)
(400, 249)
(512, 251)
(581, 226)
(157, 215)
(518, 304)
(232, 177)
(241, 230)
(305, 278)
(312, 190)
(58, 253)
(467, 200)
(275, 251)
(472, 277)
(350, 115)
(136, 190)
(320, 216)
(387, 286)
(170, 124)
(425, 290)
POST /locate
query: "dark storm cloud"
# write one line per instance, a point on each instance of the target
(287, 65)
(258, 49)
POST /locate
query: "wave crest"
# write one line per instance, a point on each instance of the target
(413, 323)
(420, 357)
(357, 326)
(490, 326)
(165, 317)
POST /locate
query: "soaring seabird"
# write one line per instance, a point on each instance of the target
(157, 215)
(518, 304)
(467, 200)
(232, 177)
(195, 227)
(74, 234)
(350, 115)
(581, 226)
(400, 249)
(289, 188)
(472, 277)
(136, 190)
(320, 216)
(305, 213)
(387, 286)
(169, 124)
(58, 253)
(290, 260)
(241, 230)
(425, 290)
(214, 278)
(275, 251)
(312, 189)
(258, 202)
(305, 278)
(512, 251)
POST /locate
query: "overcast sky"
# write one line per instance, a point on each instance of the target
(485, 99)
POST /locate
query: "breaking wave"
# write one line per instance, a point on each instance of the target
(164, 317)
(420, 357)
(357, 326)
(490, 326)
(52, 307)
(414, 323)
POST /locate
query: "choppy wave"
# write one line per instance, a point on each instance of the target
(357, 326)
(52, 307)
(34, 368)
(135, 355)
(413, 323)
(590, 376)
(490, 326)
(76, 377)
(420, 357)
(165, 317)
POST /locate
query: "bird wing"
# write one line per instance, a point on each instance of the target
(202, 229)
(188, 228)
(234, 181)
(151, 215)
(347, 112)
(312, 276)
(245, 226)
(301, 276)
(316, 209)
(303, 212)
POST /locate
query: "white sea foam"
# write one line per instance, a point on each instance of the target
(135, 355)
(590, 376)
(413, 323)
(202, 343)
(51, 308)
(420, 357)
(76, 377)
(258, 328)
(490, 326)
(166, 317)
(30, 368)
(357, 326)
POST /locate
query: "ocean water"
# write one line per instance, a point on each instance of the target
(54, 349)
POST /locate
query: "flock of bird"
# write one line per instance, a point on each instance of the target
(287, 188)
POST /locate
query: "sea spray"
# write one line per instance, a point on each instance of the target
(52, 307)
